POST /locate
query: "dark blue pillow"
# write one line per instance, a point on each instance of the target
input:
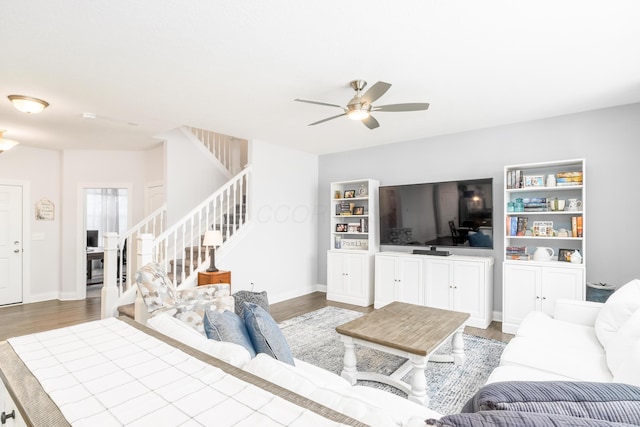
(265, 333)
(228, 327)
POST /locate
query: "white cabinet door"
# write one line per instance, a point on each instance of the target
(410, 287)
(521, 284)
(386, 280)
(439, 284)
(469, 293)
(336, 268)
(355, 275)
(560, 283)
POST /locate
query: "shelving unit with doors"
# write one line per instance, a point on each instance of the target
(545, 224)
(353, 241)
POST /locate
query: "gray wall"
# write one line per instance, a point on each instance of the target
(608, 139)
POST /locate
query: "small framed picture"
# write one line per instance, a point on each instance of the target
(358, 210)
(354, 228)
(564, 255)
(349, 194)
(534, 181)
(341, 228)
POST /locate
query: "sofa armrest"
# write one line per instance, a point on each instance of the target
(576, 311)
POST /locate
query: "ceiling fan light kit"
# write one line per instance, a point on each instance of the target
(27, 104)
(361, 105)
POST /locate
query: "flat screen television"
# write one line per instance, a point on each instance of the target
(92, 239)
(452, 213)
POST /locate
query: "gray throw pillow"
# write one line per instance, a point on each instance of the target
(259, 298)
(229, 327)
(265, 334)
(601, 401)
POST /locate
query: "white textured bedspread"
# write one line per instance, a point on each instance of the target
(108, 373)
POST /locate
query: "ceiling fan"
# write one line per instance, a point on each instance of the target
(361, 105)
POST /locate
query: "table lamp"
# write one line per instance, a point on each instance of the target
(212, 239)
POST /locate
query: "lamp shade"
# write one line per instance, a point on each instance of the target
(27, 104)
(6, 144)
(212, 238)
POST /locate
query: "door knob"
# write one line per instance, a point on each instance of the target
(16, 250)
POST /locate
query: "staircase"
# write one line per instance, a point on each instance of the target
(179, 249)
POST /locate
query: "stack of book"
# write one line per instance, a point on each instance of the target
(568, 179)
(518, 253)
(535, 204)
(516, 225)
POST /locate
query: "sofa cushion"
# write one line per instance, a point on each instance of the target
(622, 353)
(582, 362)
(300, 378)
(616, 310)
(523, 373)
(348, 402)
(154, 286)
(227, 327)
(603, 401)
(259, 298)
(519, 419)
(174, 328)
(265, 333)
(558, 333)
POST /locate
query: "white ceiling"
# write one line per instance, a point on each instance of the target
(235, 66)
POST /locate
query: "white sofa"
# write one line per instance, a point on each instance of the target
(583, 341)
(368, 405)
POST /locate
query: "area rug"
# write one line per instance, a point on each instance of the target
(313, 338)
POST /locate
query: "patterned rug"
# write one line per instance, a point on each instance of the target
(313, 338)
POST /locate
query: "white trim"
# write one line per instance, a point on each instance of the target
(81, 215)
(26, 235)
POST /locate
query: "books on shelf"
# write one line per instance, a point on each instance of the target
(518, 253)
(515, 179)
(517, 225)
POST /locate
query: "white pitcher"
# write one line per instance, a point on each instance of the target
(543, 254)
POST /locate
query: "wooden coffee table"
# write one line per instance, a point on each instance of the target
(411, 331)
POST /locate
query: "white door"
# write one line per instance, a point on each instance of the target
(154, 198)
(10, 244)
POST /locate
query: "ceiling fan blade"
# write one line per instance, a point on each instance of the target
(316, 102)
(375, 92)
(370, 122)
(415, 106)
(327, 119)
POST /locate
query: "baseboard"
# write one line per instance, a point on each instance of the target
(497, 316)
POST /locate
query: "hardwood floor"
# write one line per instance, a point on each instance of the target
(42, 316)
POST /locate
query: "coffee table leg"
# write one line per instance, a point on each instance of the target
(418, 384)
(349, 371)
(457, 347)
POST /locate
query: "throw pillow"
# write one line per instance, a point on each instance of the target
(154, 286)
(479, 239)
(259, 298)
(623, 348)
(612, 402)
(265, 333)
(615, 312)
(519, 419)
(227, 327)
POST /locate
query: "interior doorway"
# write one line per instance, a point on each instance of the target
(11, 244)
(106, 210)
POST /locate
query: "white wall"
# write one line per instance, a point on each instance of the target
(607, 139)
(41, 170)
(191, 174)
(279, 252)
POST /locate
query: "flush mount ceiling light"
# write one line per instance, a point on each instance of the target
(26, 104)
(6, 144)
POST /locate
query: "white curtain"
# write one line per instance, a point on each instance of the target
(106, 210)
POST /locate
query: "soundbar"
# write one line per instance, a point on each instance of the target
(426, 252)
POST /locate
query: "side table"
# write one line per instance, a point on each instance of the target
(213, 277)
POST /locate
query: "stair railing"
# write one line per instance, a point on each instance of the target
(179, 249)
(127, 246)
(224, 147)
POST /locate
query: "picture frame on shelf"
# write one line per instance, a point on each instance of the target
(564, 255)
(543, 228)
(341, 228)
(534, 181)
(349, 194)
(353, 228)
(337, 194)
(358, 210)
